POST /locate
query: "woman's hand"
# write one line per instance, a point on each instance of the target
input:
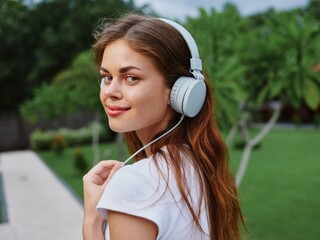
(94, 183)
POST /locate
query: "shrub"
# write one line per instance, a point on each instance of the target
(316, 120)
(296, 119)
(78, 136)
(59, 143)
(42, 140)
(79, 161)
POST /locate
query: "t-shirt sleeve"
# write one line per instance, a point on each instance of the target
(137, 190)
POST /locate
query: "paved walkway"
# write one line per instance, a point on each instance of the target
(39, 206)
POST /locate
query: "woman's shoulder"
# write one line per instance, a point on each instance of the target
(148, 189)
(151, 178)
(133, 187)
(129, 175)
(135, 180)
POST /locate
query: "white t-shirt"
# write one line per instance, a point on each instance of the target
(140, 190)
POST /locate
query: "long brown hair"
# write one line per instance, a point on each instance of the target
(205, 146)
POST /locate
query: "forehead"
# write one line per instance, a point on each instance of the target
(120, 52)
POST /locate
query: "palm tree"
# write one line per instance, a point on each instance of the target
(257, 62)
(280, 71)
(217, 36)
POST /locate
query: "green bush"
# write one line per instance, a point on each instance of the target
(80, 162)
(59, 143)
(77, 137)
(42, 140)
(316, 120)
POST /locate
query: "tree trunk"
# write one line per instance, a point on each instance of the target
(253, 142)
(232, 134)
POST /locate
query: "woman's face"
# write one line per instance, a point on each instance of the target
(134, 94)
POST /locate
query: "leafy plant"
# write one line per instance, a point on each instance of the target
(80, 162)
(71, 90)
(41, 140)
(217, 35)
(58, 144)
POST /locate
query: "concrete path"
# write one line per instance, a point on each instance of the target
(39, 206)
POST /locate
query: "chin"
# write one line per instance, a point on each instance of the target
(118, 128)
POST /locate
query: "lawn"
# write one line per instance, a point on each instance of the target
(1, 190)
(280, 193)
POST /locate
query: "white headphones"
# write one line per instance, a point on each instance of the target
(188, 93)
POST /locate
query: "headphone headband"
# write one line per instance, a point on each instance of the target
(188, 93)
(195, 61)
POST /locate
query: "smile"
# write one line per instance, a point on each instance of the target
(114, 111)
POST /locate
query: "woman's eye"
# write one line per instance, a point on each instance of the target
(106, 79)
(131, 79)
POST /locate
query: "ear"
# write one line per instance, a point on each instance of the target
(169, 96)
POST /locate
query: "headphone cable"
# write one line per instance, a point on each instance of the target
(158, 138)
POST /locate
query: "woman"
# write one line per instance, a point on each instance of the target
(179, 187)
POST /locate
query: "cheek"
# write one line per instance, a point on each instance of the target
(102, 98)
(139, 100)
(152, 102)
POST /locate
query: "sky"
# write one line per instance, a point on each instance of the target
(179, 9)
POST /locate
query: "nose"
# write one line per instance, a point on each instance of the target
(112, 89)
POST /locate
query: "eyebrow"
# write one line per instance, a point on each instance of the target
(121, 70)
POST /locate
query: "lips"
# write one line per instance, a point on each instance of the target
(114, 111)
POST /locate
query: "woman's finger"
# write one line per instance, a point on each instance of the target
(114, 169)
(104, 165)
(100, 172)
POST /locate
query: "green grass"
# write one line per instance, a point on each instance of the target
(280, 193)
(63, 165)
(3, 213)
(1, 205)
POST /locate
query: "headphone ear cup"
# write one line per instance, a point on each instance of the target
(177, 93)
(188, 95)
